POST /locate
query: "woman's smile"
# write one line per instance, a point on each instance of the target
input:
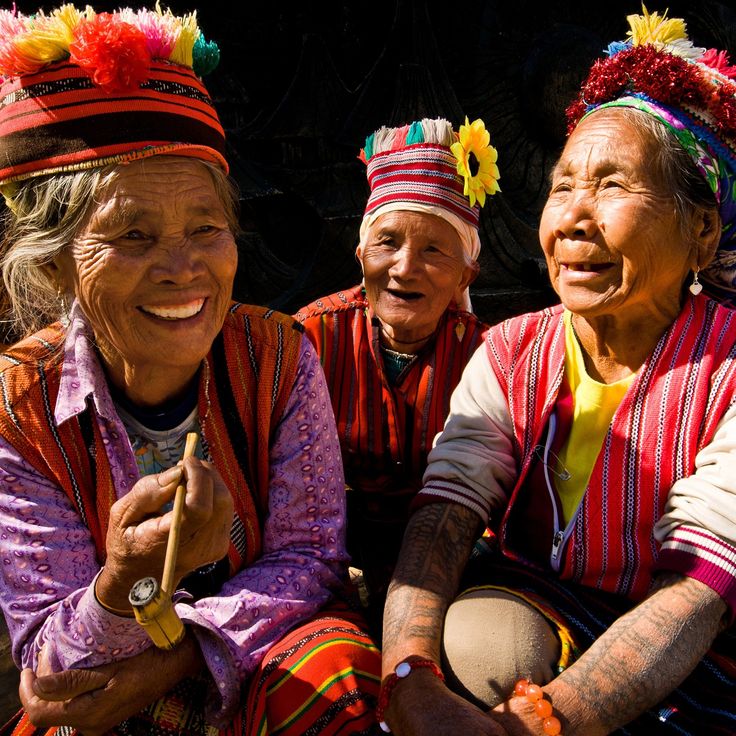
(175, 311)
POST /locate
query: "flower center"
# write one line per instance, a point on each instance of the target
(473, 164)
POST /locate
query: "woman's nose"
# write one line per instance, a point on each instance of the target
(405, 262)
(577, 219)
(177, 263)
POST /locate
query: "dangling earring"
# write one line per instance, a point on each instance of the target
(696, 287)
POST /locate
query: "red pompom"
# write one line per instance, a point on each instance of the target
(719, 61)
(114, 53)
(723, 109)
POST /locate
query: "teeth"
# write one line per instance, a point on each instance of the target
(181, 311)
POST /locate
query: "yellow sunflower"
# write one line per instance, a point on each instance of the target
(476, 161)
(652, 28)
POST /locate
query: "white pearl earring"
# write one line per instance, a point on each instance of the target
(696, 287)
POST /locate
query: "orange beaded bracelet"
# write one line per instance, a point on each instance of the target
(403, 669)
(543, 708)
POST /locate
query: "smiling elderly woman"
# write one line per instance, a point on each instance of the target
(119, 257)
(394, 347)
(596, 438)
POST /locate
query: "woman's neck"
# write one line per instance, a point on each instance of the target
(614, 348)
(407, 347)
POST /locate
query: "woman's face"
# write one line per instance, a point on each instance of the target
(609, 230)
(414, 265)
(153, 269)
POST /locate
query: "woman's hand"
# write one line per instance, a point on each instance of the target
(518, 717)
(138, 529)
(422, 705)
(95, 700)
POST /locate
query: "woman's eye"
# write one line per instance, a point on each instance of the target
(559, 187)
(134, 235)
(611, 184)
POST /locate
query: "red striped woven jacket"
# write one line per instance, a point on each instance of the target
(668, 415)
(386, 429)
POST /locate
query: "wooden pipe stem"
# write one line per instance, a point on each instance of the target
(152, 604)
(172, 545)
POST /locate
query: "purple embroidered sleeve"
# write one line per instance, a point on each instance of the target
(304, 555)
(48, 564)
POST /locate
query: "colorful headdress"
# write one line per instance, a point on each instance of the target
(80, 89)
(426, 162)
(427, 167)
(692, 91)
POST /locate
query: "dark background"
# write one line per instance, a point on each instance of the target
(301, 85)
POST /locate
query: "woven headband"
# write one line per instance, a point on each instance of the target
(82, 89)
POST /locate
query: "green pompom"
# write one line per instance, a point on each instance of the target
(368, 148)
(205, 56)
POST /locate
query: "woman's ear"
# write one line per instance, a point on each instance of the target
(707, 234)
(470, 274)
(56, 274)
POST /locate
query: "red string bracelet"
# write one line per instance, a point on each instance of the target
(403, 669)
(543, 708)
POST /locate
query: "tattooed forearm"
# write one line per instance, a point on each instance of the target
(436, 547)
(640, 659)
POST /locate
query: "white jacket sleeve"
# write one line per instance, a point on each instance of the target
(472, 461)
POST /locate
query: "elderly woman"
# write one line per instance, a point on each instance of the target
(394, 347)
(119, 258)
(598, 438)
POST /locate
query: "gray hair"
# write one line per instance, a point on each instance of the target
(45, 215)
(673, 168)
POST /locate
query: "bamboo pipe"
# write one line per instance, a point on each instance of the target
(152, 604)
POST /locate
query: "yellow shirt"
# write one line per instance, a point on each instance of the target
(594, 405)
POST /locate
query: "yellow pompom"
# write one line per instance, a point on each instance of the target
(182, 53)
(655, 29)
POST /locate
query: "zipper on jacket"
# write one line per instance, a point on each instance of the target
(559, 535)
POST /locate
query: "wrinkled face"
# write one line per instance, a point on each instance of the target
(153, 267)
(609, 231)
(414, 265)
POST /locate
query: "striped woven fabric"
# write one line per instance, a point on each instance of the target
(385, 431)
(705, 703)
(57, 119)
(424, 173)
(668, 415)
(321, 678)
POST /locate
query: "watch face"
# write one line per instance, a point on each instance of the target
(143, 592)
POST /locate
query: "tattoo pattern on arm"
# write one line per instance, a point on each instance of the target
(436, 546)
(642, 657)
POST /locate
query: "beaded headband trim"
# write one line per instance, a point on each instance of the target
(81, 89)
